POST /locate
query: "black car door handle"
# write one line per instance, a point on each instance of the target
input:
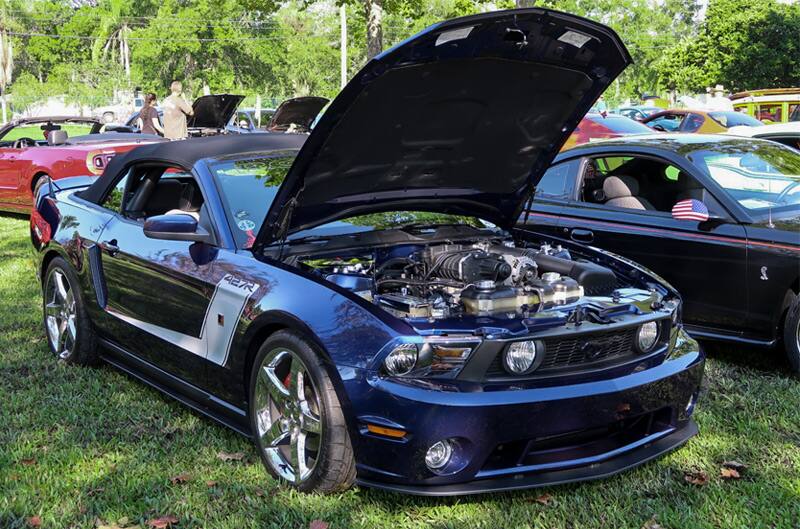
(110, 247)
(581, 235)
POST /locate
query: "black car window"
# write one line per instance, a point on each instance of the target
(557, 182)
(643, 184)
(789, 140)
(116, 197)
(148, 191)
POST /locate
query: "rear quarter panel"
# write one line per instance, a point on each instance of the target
(63, 227)
(773, 271)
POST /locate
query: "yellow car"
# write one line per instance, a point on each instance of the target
(771, 105)
(700, 121)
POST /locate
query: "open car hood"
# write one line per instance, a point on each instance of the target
(462, 118)
(214, 111)
(299, 111)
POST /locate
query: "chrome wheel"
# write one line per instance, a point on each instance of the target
(288, 418)
(60, 314)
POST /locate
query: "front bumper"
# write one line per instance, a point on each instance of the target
(522, 437)
(589, 472)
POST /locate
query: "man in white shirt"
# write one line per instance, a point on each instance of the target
(175, 110)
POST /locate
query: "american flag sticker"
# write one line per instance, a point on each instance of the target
(690, 209)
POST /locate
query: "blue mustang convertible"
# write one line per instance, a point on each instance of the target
(359, 302)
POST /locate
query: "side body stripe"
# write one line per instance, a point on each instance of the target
(221, 319)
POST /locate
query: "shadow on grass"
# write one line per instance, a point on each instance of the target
(14, 215)
(763, 359)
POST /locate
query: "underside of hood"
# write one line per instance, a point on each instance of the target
(298, 111)
(214, 111)
(462, 118)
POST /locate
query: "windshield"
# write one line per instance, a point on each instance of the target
(759, 175)
(248, 188)
(734, 119)
(417, 220)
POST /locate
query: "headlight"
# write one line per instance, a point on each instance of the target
(647, 336)
(521, 357)
(401, 360)
(434, 356)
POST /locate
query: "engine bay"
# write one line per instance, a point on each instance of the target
(484, 277)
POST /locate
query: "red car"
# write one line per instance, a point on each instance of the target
(34, 148)
(595, 126)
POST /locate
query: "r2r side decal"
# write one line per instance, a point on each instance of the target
(222, 316)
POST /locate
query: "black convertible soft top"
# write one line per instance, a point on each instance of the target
(186, 153)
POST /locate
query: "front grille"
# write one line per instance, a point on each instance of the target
(577, 352)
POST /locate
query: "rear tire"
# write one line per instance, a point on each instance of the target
(303, 441)
(791, 334)
(69, 331)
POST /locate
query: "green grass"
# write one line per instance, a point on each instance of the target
(81, 444)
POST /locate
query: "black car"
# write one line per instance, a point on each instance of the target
(738, 271)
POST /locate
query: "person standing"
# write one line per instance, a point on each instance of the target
(148, 117)
(175, 111)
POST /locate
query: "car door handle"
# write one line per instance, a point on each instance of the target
(110, 247)
(581, 235)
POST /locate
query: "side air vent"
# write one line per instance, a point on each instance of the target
(98, 279)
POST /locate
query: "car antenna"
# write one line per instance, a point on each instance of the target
(769, 208)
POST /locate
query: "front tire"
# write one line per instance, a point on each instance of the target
(69, 331)
(791, 334)
(297, 421)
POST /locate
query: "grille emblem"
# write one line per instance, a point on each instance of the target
(591, 350)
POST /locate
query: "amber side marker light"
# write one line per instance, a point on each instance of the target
(388, 432)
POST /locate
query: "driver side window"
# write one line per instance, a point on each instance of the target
(114, 200)
(155, 190)
(641, 183)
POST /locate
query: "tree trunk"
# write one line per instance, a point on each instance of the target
(127, 55)
(374, 29)
(525, 3)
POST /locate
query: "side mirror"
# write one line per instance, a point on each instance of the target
(692, 210)
(176, 227)
(659, 128)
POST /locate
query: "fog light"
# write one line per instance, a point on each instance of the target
(438, 455)
(520, 357)
(647, 336)
(401, 360)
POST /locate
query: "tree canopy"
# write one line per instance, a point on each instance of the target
(88, 50)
